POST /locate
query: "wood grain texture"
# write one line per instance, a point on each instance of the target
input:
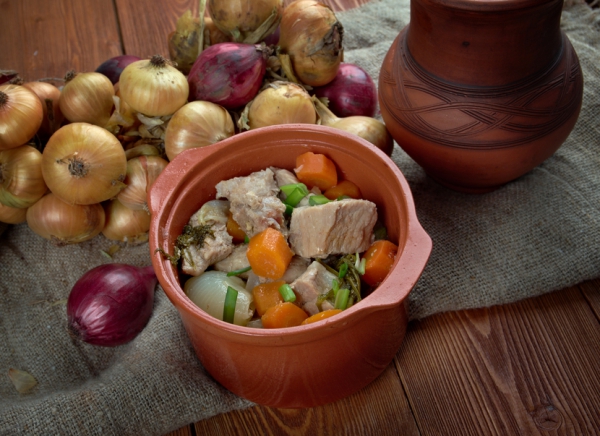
(524, 368)
(46, 39)
(381, 402)
(591, 291)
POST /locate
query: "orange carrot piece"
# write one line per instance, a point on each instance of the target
(345, 187)
(234, 229)
(283, 315)
(269, 254)
(267, 295)
(320, 316)
(316, 170)
(379, 259)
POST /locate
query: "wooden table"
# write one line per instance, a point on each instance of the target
(525, 368)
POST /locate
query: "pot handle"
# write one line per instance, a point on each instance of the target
(174, 175)
(407, 272)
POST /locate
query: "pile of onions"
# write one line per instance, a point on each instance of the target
(84, 164)
(125, 224)
(87, 98)
(12, 215)
(281, 103)
(246, 21)
(228, 74)
(113, 67)
(351, 92)
(367, 128)
(153, 87)
(21, 180)
(111, 304)
(64, 223)
(142, 171)
(21, 115)
(197, 124)
(312, 36)
(49, 96)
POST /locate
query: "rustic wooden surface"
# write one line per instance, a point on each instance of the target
(528, 368)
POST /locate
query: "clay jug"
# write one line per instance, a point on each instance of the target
(480, 92)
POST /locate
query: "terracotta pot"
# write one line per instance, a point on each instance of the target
(480, 92)
(308, 365)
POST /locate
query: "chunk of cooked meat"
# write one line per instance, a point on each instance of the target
(235, 261)
(316, 280)
(195, 258)
(338, 227)
(286, 177)
(254, 204)
(295, 269)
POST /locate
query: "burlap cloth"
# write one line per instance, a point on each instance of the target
(538, 234)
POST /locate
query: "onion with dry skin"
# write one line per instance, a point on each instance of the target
(64, 223)
(84, 164)
(21, 115)
(153, 87)
(197, 124)
(313, 38)
(49, 96)
(246, 21)
(280, 103)
(21, 180)
(367, 128)
(142, 171)
(12, 215)
(124, 224)
(87, 98)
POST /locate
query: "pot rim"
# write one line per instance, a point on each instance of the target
(490, 6)
(404, 275)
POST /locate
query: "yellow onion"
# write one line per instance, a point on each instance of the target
(246, 21)
(12, 215)
(21, 115)
(153, 87)
(212, 34)
(49, 96)
(65, 223)
(312, 36)
(84, 164)
(87, 98)
(142, 171)
(197, 124)
(21, 180)
(367, 128)
(281, 103)
(124, 224)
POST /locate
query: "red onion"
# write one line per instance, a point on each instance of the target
(110, 304)
(351, 92)
(228, 74)
(113, 67)
(6, 75)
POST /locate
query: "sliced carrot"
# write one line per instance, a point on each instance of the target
(234, 229)
(283, 315)
(269, 254)
(321, 315)
(379, 259)
(267, 295)
(316, 170)
(345, 187)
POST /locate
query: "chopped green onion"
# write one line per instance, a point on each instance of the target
(237, 272)
(343, 270)
(288, 209)
(361, 266)
(335, 285)
(229, 306)
(341, 299)
(295, 196)
(246, 239)
(316, 200)
(288, 189)
(287, 293)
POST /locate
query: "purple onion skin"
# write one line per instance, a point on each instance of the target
(110, 304)
(228, 73)
(351, 92)
(273, 38)
(113, 67)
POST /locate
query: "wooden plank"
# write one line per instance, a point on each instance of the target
(524, 368)
(46, 39)
(381, 408)
(146, 24)
(591, 291)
